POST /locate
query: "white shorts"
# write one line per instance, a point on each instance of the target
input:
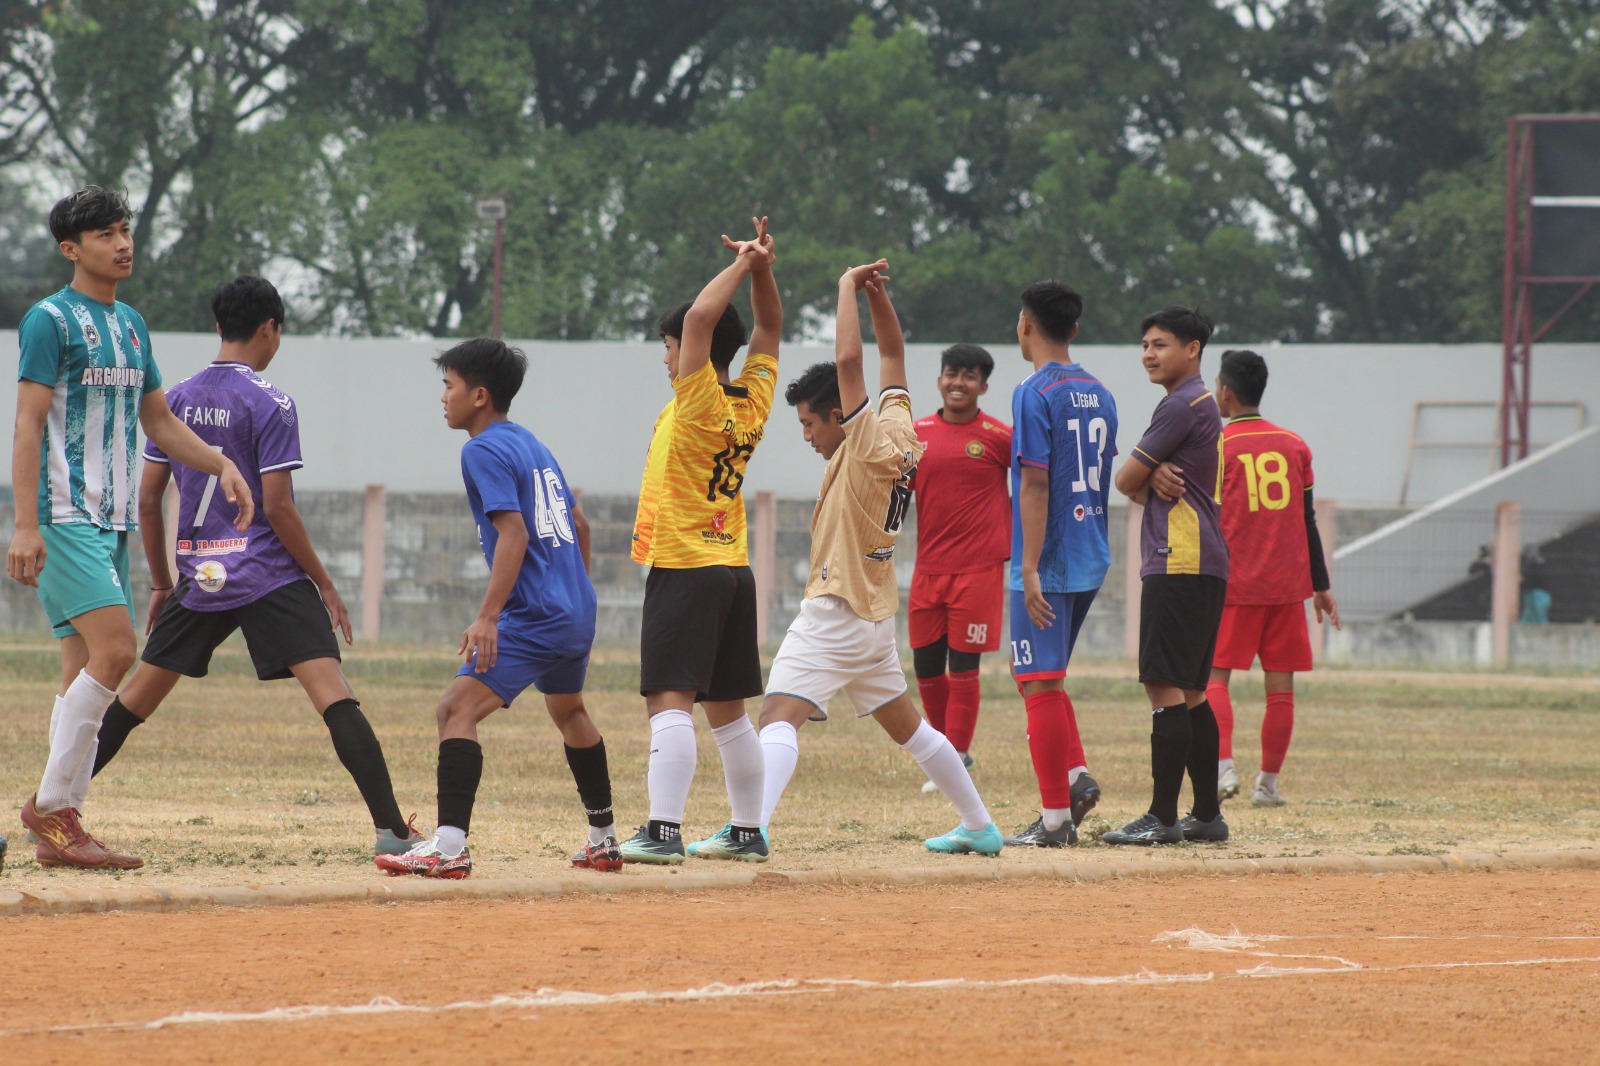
(829, 647)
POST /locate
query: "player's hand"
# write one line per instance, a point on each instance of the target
(1323, 603)
(158, 603)
(858, 276)
(1039, 609)
(1166, 481)
(25, 558)
(762, 239)
(480, 644)
(338, 613)
(237, 491)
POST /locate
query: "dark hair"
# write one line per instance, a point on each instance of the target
(1245, 373)
(90, 208)
(818, 388)
(726, 339)
(967, 357)
(1055, 308)
(241, 305)
(484, 362)
(1185, 323)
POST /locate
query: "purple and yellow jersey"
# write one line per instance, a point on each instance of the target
(1184, 536)
(255, 425)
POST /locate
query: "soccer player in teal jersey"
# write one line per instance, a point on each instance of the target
(87, 378)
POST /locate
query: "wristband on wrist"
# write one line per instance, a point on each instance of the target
(160, 588)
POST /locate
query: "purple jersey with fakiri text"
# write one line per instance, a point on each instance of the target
(256, 426)
(1184, 536)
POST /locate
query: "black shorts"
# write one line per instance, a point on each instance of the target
(699, 633)
(1178, 619)
(287, 626)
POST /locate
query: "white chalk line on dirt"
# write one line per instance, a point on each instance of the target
(1193, 938)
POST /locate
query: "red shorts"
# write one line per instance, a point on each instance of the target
(1277, 632)
(963, 609)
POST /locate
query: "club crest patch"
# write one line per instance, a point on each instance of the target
(975, 449)
(211, 576)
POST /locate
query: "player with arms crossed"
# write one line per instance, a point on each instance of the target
(536, 624)
(958, 584)
(1185, 579)
(698, 639)
(844, 636)
(86, 382)
(1065, 436)
(1271, 528)
(266, 581)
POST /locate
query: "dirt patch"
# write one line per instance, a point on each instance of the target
(1401, 968)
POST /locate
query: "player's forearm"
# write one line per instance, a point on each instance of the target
(1133, 480)
(180, 443)
(1033, 505)
(580, 529)
(701, 319)
(26, 447)
(766, 307)
(891, 342)
(847, 350)
(153, 523)
(286, 522)
(1320, 582)
(508, 553)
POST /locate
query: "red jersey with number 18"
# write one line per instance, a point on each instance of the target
(1266, 471)
(963, 506)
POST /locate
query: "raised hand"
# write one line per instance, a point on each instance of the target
(858, 277)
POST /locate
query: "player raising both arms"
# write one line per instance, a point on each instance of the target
(536, 624)
(963, 512)
(267, 581)
(1065, 437)
(697, 643)
(86, 381)
(1184, 580)
(1271, 528)
(844, 637)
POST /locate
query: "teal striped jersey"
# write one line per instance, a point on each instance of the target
(97, 358)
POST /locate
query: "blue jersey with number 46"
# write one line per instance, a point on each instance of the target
(506, 468)
(1065, 424)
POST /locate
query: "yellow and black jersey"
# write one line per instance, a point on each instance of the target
(690, 510)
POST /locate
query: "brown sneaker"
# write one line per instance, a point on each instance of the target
(62, 841)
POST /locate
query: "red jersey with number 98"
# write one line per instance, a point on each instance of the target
(1266, 471)
(963, 499)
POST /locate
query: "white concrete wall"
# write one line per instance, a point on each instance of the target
(371, 413)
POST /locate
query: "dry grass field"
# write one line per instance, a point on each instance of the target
(235, 782)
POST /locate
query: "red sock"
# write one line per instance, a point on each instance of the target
(1222, 706)
(1050, 743)
(1075, 756)
(935, 696)
(1276, 728)
(962, 715)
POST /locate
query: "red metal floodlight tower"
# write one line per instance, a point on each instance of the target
(1552, 238)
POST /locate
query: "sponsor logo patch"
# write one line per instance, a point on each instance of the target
(211, 576)
(881, 555)
(1077, 512)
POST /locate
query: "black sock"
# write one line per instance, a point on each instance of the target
(1169, 757)
(357, 747)
(114, 729)
(460, 770)
(1204, 743)
(664, 832)
(589, 771)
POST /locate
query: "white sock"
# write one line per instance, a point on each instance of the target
(55, 718)
(780, 751)
(450, 841)
(1224, 765)
(76, 738)
(1266, 780)
(598, 836)
(943, 766)
(744, 770)
(1075, 773)
(672, 760)
(1055, 817)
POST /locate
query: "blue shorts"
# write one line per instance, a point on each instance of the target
(521, 664)
(1042, 654)
(85, 568)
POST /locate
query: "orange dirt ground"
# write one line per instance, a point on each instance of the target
(1485, 966)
